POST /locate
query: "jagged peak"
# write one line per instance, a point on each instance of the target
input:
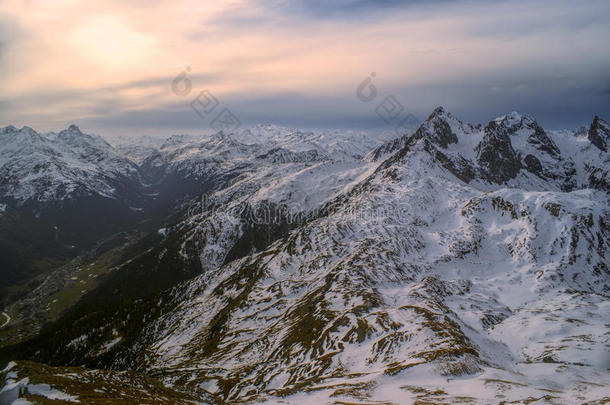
(440, 113)
(599, 133)
(514, 121)
(510, 119)
(440, 110)
(74, 128)
(8, 129)
(26, 131)
(74, 136)
(441, 128)
(70, 131)
(515, 124)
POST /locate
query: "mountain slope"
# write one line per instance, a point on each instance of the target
(338, 301)
(233, 170)
(48, 385)
(62, 193)
(60, 166)
(455, 269)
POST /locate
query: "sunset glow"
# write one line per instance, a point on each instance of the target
(109, 65)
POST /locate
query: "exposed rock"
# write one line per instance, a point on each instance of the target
(599, 132)
(496, 156)
(533, 165)
(437, 129)
(460, 167)
(542, 142)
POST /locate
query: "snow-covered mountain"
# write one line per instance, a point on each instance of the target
(58, 166)
(40, 234)
(187, 166)
(61, 192)
(136, 148)
(459, 263)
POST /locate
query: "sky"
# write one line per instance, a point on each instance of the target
(138, 67)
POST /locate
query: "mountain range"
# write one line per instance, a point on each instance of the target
(457, 263)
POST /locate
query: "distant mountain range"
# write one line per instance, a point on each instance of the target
(457, 263)
(63, 192)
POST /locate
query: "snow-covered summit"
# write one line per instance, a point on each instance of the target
(516, 151)
(599, 133)
(511, 118)
(55, 166)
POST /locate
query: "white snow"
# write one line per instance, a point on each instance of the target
(55, 166)
(45, 390)
(496, 259)
(419, 286)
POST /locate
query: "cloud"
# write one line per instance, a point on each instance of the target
(110, 63)
(351, 8)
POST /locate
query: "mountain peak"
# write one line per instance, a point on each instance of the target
(439, 110)
(441, 128)
(599, 133)
(25, 133)
(8, 129)
(514, 121)
(28, 130)
(439, 113)
(74, 128)
(70, 132)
